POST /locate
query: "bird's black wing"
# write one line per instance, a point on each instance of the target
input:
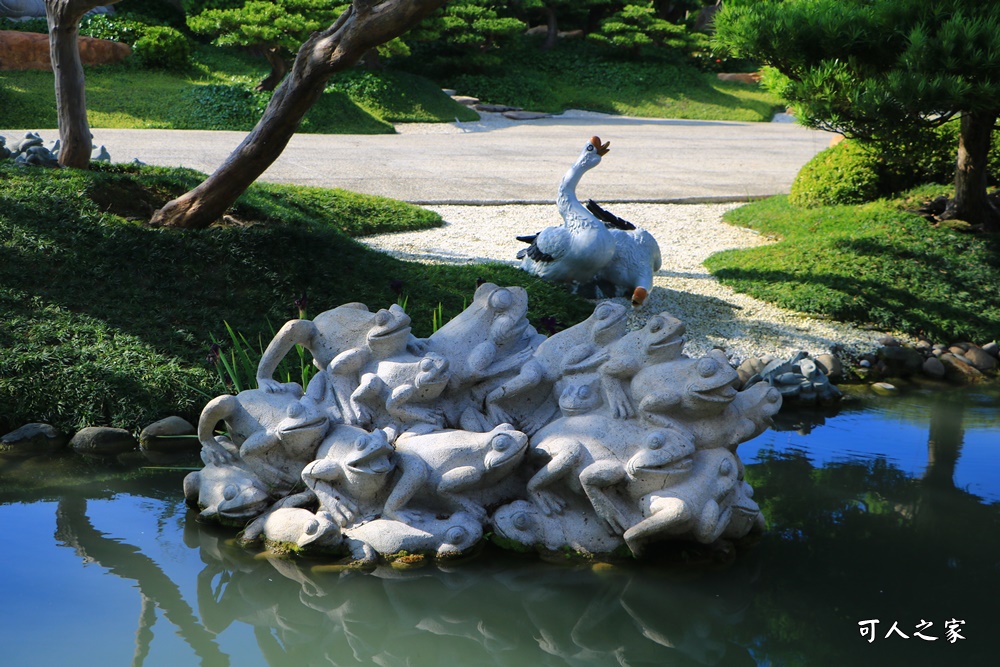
(532, 251)
(609, 219)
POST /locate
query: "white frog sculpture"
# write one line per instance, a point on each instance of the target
(273, 435)
(455, 470)
(351, 473)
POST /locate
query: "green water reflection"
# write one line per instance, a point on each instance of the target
(869, 518)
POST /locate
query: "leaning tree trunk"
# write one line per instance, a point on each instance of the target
(361, 27)
(279, 68)
(552, 28)
(63, 17)
(971, 203)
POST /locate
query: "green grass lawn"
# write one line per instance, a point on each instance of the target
(216, 93)
(872, 264)
(105, 321)
(578, 75)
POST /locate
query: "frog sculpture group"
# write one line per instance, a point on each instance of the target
(595, 439)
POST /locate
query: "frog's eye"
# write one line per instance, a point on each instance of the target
(725, 468)
(521, 521)
(707, 367)
(456, 535)
(295, 410)
(312, 527)
(426, 364)
(230, 492)
(501, 299)
(382, 318)
(655, 441)
(361, 443)
(584, 391)
(502, 443)
(656, 324)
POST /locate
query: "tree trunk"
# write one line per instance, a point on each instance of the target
(552, 35)
(63, 17)
(971, 203)
(279, 68)
(361, 27)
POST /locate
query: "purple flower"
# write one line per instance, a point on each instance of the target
(397, 287)
(301, 304)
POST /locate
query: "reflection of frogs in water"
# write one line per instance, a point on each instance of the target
(712, 501)
(489, 339)
(350, 473)
(395, 393)
(454, 470)
(579, 349)
(272, 434)
(659, 341)
(587, 455)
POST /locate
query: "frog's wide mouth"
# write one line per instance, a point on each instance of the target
(723, 393)
(665, 467)
(315, 423)
(375, 462)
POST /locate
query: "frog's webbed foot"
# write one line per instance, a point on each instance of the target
(617, 398)
(219, 451)
(271, 386)
(547, 501)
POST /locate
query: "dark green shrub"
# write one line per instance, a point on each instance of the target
(847, 173)
(853, 172)
(115, 28)
(222, 107)
(194, 7)
(163, 48)
(28, 25)
(151, 12)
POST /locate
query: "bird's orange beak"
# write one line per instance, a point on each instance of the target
(638, 296)
(602, 149)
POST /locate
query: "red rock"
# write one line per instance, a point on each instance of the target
(29, 50)
(739, 77)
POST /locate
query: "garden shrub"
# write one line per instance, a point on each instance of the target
(853, 172)
(27, 25)
(847, 173)
(164, 48)
(115, 28)
(228, 107)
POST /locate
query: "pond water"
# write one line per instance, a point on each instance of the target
(887, 511)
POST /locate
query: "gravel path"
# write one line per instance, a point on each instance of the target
(716, 316)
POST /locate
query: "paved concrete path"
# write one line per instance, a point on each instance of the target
(495, 162)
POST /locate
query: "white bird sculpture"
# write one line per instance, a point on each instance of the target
(576, 250)
(637, 257)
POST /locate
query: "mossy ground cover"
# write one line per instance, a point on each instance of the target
(874, 263)
(106, 321)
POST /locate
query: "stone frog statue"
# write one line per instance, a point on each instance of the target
(581, 348)
(485, 343)
(228, 494)
(271, 435)
(454, 471)
(351, 473)
(703, 394)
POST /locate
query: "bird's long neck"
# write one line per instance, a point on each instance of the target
(566, 201)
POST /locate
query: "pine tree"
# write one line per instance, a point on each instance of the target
(879, 69)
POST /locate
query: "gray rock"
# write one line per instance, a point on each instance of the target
(992, 349)
(449, 92)
(889, 341)
(465, 99)
(901, 361)
(494, 108)
(924, 345)
(830, 365)
(32, 439)
(933, 368)
(864, 363)
(525, 115)
(958, 348)
(980, 359)
(169, 436)
(103, 441)
(884, 389)
(958, 371)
